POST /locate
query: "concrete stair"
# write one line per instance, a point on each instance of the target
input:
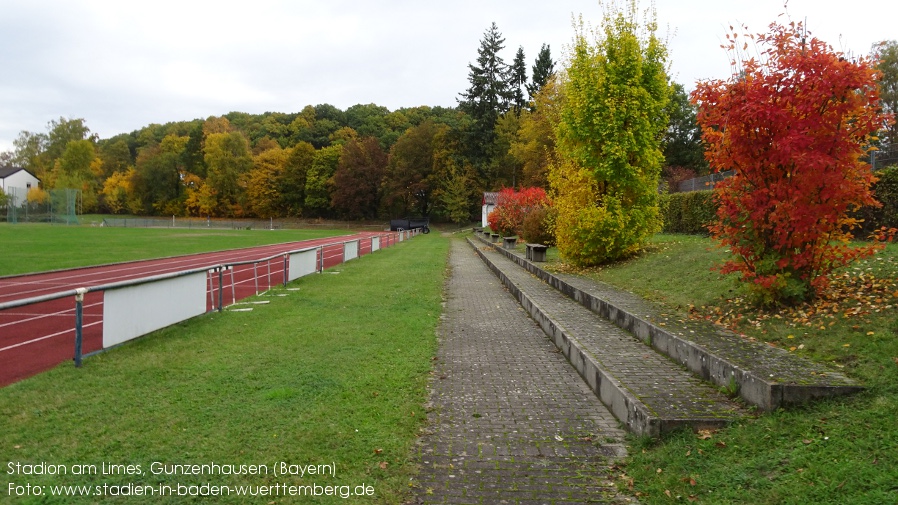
(648, 393)
(764, 376)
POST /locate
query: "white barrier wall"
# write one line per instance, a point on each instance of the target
(350, 250)
(303, 263)
(375, 244)
(137, 310)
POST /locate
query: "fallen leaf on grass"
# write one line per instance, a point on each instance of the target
(705, 434)
(383, 465)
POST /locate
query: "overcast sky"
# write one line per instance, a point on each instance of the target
(122, 65)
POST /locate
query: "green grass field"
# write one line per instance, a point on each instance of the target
(334, 373)
(40, 247)
(303, 381)
(842, 451)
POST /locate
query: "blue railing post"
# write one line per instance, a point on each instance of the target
(79, 324)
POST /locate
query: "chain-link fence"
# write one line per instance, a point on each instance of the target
(41, 206)
(883, 157)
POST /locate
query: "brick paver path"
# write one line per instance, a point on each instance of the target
(511, 421)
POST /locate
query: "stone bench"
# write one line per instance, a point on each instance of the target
(536, 252)
(509, 242)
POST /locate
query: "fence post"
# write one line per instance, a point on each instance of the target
(220, 287)
(321, 269)
(79, 324)
(285, 269)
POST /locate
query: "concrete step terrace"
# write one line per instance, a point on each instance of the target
(764, 376)
(648, 393)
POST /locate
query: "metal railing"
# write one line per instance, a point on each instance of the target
(148, 304)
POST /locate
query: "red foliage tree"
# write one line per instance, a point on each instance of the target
(794, 128)
(357, 179)
(512, 207)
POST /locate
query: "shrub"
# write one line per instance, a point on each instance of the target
(690, 212)
(794, 124)
(885, 190)
(507, 219)
(539, 226)
(611, 120)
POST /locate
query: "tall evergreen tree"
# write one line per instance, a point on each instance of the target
(543, 69)
(488, 96)
(682, 142)
(518, 81)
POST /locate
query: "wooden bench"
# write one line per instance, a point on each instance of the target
(536, 252)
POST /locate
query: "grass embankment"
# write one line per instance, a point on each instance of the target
(840, 451)
(40, 247)
(334, 373)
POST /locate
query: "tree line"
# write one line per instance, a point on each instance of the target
(365, 162)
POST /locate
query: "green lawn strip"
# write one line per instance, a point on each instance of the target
(836, 451)
(40, 247)
(335, 372)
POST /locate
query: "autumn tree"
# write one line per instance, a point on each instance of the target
(319, 182)
(608, 154)
(157, 177)
(410, 179)
(292, 181)
(793, 124)
(262, 194)
(535, 142)
(118, 192)
(78, 168)
(457, 192)
(358, 177)
(228, 158)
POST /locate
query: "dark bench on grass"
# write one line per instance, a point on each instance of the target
(509, 242)
(536, 252)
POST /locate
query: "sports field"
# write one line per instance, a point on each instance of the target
(327, 378)
(38, 247)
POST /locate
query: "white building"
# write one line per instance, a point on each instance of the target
(489, 203)
(16, 181)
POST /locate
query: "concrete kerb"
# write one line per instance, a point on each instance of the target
(765, 392)
(627, 408)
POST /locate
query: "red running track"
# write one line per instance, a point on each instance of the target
(37, 337)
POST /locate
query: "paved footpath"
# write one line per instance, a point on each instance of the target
(511, 422)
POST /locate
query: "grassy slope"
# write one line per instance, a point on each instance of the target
(334, 372)
(837, 451)
(38, 247)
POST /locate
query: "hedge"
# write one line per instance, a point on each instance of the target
(886, 191)
(691, 212)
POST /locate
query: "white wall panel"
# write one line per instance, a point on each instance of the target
(303, 263)
(137, 310)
